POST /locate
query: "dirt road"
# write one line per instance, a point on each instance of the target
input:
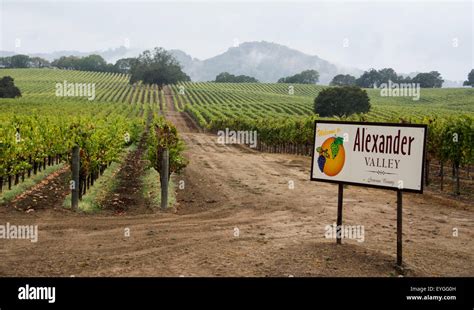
(238, 216)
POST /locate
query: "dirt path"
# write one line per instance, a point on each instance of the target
(181, 120)
(128, 197)
(237, 216)
(51, 191)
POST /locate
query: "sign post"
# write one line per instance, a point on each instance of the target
(399, 228)
(379, 155)
(340, 195)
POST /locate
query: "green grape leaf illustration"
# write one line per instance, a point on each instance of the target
(335, 146)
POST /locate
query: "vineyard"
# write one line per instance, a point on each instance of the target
(282, 116)
(284, 121)
(212, 101)
(40, 128)
(32, 139)
(223, 191)
(39, 85)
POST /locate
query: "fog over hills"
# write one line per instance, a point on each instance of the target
(265, 61)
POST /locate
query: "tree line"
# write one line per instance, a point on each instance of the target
(304, 77)
(369, 79)
(23, 61)
(87, 63)
(226, 77)
(376, 78)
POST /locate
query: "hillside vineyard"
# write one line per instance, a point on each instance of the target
(40, 127)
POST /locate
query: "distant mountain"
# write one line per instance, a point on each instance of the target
(265, 61)
(191, 66)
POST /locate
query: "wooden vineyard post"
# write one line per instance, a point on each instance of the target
(340, 195)
(75, 165)
(399, 228)
(164, 179)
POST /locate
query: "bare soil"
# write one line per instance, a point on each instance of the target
(237, 216)
(51, 191)
(127, 197)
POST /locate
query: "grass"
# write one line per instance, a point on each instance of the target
(91, 201)
(8, 195)
(152, 189)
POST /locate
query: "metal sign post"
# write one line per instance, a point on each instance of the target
(340, 195)
(399, 228)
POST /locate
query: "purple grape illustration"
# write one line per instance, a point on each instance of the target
(321, 162)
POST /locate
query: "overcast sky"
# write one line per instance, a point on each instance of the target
(408, 36)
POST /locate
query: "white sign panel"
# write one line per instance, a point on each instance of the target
(370, 154)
